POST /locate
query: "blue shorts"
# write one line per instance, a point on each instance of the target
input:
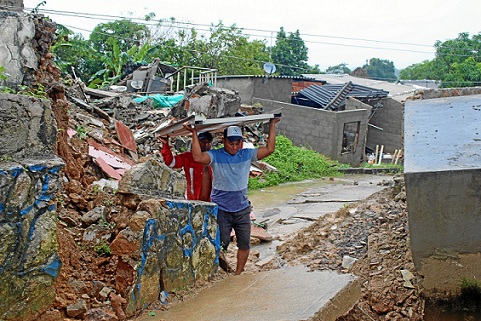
(241, 223)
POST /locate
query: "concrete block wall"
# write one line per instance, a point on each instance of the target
(319, 129)
(390, 118)
(279, 89)
(244, 86)
(442, 170)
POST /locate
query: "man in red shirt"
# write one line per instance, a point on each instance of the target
(198, 176)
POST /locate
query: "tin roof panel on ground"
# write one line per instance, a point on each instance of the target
(442, 134)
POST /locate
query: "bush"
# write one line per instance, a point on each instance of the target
(294, 164)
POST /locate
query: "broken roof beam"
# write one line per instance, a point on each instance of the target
(91, 109)
(340, 96)
(100, 93)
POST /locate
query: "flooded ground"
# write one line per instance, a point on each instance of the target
(274, 195)
(287, 208)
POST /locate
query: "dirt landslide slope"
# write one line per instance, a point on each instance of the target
(375, 232)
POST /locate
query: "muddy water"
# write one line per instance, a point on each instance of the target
(275, 195)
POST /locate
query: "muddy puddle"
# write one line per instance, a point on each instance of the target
(274, 195)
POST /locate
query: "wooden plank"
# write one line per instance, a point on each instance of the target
(100, 93)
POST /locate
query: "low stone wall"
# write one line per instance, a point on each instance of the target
(29, 262)
(169, 243)
(179, 245)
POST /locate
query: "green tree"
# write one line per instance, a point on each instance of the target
(457, 59)
(380, 69)
(71, 50)
(338, 69)
(115, 63)
(463, 74)
(226, 49)
(124, 32)
(290, 54)
(456, 63)
(422, 70)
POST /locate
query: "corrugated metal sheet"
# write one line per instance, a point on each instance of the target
(334, 96)
(396, 91)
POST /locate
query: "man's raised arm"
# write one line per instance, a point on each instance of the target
(199, 156)
(271, 140)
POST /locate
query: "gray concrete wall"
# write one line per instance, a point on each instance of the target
(279, 89)
(11, 5)
(16, 52)
(445, 225)
(28, 127)
(319, 129)
(244, 86)
(443, 177)
(390, 120)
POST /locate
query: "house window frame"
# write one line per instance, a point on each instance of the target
(350, 137)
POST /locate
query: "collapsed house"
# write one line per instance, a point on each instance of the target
(341, 119)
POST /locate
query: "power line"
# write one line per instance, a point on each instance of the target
(104, 17)
(184, 25)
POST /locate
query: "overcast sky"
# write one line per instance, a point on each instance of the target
(339, 31)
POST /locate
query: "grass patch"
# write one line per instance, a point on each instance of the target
(294, 164)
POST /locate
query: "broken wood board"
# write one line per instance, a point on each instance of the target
(100, 93)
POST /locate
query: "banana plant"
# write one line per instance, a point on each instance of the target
(114, 62)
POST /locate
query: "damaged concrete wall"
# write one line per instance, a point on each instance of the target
(29, 180)
(250, 87)
(27, 125)
(16, 52)
(39, 276)
(443, 178)
(389, 122)
(11, 5)
(320, 130)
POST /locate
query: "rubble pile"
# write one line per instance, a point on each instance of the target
(370, 240)
(104, 135)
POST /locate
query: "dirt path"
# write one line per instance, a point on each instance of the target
(372, 232)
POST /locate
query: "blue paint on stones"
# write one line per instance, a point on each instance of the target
(150, 235)
(25, 211)
(53, 268)
(37, 168)
(17, 171)
(55, 170)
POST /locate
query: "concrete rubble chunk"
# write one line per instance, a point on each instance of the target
(77, 309)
